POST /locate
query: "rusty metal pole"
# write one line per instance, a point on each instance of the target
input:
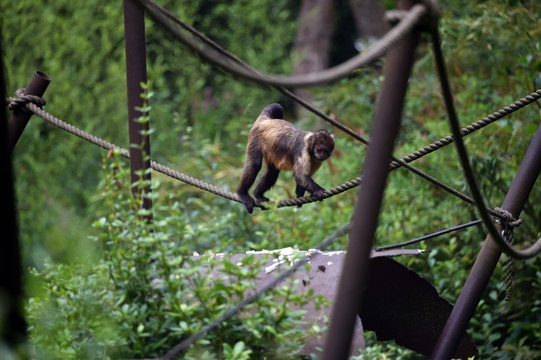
(489, 255)
(136, 73)
(385, 129)
(13, 330)
(19, 119)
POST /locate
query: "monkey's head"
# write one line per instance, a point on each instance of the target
(321, 145)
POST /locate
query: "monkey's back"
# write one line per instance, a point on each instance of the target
(280, 141)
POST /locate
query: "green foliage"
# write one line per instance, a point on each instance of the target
(384, 350)
(109, 299)
(70, 317)
(81, 47)
(147, 294)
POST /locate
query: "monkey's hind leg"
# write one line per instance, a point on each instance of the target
(299, 191)
(252, 165)
(267, 181)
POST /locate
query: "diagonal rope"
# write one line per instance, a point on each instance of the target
(126, 154)
(374, 52)
(429, 236)
(297, 201)
(408, 20)
(477, 125)
(384, 43)
(506, 110)
(463, 156)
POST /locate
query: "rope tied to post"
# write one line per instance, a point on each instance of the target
(21, 100)
(506, 219)
(429, 21)
(508, 223)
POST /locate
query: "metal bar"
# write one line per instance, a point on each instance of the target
(387, 118)
(489, 255)
(13, 329)
(19, 119)
(430, 236)
(136, 73)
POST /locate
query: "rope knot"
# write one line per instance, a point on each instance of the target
(506, 218)
(21, 100)
(429, 21)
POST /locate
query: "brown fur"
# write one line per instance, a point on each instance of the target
(283, 147)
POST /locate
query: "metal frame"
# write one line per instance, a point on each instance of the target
(398, 65)
(136, 74)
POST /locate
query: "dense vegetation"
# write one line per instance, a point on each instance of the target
(92, 292)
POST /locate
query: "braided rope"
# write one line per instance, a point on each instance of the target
(477, 125)
(160, 15)
(28, 102)
(195, 182)
(536, 95)
(507, 220)
(383, 44)
(467, 170)
(22, 99)
(126, 154)
(508, 267)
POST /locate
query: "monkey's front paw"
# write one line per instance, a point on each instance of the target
(248, 201)
(319, 194)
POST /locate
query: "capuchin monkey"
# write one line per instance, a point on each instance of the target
(283, 147)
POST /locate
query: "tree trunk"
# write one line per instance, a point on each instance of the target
(312, 43)
(369, 18)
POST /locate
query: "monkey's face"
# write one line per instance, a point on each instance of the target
(322, 145)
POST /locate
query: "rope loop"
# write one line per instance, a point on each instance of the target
(393, 17)
(21, 100)
(506, 219)
(432, 17)
(429, 21)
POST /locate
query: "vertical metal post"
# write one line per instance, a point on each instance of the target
(385, 129)
(13, 329)
(19, 119)
(136, 73)
(488, 256)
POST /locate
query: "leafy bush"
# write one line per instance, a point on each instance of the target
(108, 300)
(146, 294)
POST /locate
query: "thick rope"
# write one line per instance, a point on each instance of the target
(469, 174)
(432, 16)
(22, 99)
(288, 202)
(373, 53)
(429, 20)
(125, 153)
(508, 265)
(477, 125)
(536, 95)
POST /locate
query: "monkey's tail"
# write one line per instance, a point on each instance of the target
(273, 111)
